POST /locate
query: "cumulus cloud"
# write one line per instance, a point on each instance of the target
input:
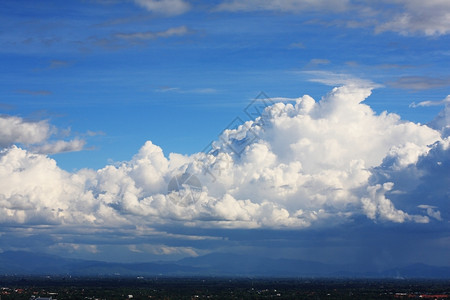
(165, 7)
(298, 165)
(17, 130)
(431, 211)
(442, 121)
(421, 178)
(35, 135)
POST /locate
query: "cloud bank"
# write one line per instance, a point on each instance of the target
(298, 165)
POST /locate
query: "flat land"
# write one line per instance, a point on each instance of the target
(61, 288)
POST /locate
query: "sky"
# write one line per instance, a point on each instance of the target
(143, 130)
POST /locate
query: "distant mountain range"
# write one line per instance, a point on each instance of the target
(217, 264)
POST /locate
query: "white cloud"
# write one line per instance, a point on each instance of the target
(431, 211)
(378, 204)
(406, 17)
(442, 121)
(35, 190)
(17, 130)
(303, 164)
(165, 89)
(445, 101)
(60, 146)
(35, 135)
(149, 35)
(335, 79)
(165, 7)
(425, 17)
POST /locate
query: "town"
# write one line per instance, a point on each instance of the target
(60, 288)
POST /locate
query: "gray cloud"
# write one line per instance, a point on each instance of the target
(60, 146)
(419, 82)
(424, 17)
(35, 92)
(17, 130)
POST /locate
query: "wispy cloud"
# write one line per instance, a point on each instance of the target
(297, 45)
(419, 82)
(406, 17)
(165, 89)
(425, 17)
(315, 62)
(34, 92)
(60, 146)
(149, 35)
(395, 66)
(165, 7)
(163, 250)
(94, 133)
(284, 6)
(6, 106)
(445, 101)
(56, 64)
(333, 79)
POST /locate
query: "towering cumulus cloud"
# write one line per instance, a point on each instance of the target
(298, 165)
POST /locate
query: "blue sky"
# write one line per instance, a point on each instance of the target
(85, 85)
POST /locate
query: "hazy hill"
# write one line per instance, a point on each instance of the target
(216, 264)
